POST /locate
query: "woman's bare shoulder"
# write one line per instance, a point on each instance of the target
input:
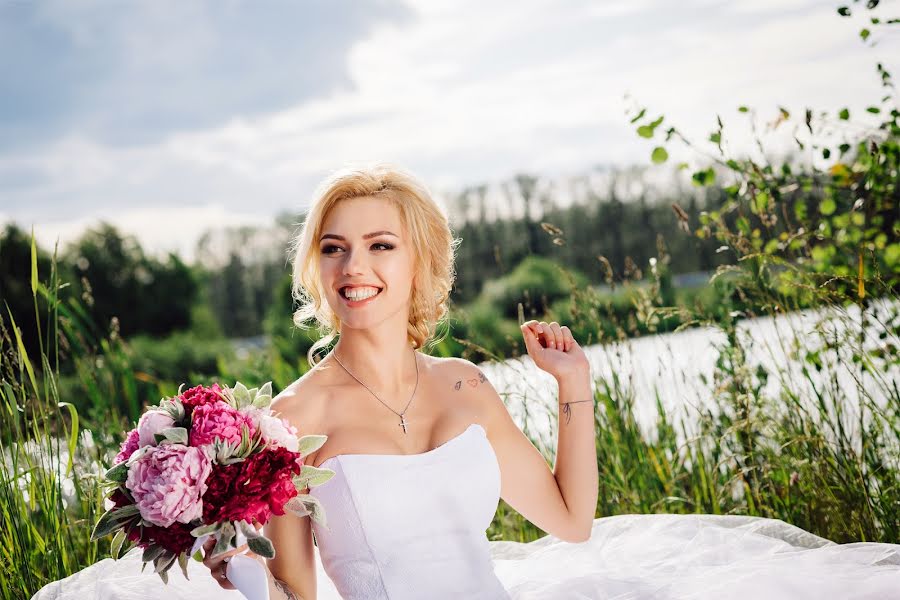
(303, 402)
(453, 368)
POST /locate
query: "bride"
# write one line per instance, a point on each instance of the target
(423, 448)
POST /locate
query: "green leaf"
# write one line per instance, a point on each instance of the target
(152, 553)
(312, 476)
(704, 177)
(73, 434)
(112, 520)
(892, 255)
(224, 538)
(310, 443)
(248, 530)
(175, 435)
(204, 530)
(827, 206)
(639, 116)
(305, 504)
(843, 11)
(115, 546)
(241, 395)
(118, 473)
(873, 109)
(183, 563)
(743, 109)
(162, 562)
(826, 153)
(34, 269)
(645, 131)
(261, 546)
(844, 114)
(761, 203)
(864, 34)
(659, 155)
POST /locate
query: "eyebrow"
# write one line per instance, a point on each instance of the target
(334, 236)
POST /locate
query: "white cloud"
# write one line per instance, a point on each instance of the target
(159, 229)
(465, 92)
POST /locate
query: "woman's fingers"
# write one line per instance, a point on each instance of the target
(558, 342)
(568, 338)
(530, 333)
(549, 335)
(219, 563)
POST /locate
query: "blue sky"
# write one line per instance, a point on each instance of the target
(166, 118)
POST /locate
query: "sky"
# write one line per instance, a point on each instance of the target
(170, 118)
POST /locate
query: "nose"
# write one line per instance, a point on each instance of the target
(354, 262)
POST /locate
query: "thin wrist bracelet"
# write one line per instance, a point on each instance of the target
(568, 411)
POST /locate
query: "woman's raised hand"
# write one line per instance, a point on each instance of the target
(553, 349)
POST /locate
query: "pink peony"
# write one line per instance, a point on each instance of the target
(218, 420)
(151, 423)
(131, 443)
(168, 483)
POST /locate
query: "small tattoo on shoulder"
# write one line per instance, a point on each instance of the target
(471, 382)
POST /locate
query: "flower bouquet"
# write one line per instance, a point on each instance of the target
(211, 461)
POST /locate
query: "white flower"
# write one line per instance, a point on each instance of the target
(278, 432)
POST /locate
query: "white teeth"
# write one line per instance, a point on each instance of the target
(360, 293)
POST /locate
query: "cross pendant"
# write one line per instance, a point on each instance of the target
(403, 423)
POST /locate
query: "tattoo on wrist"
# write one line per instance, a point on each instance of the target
(284, 589)
(567, 410)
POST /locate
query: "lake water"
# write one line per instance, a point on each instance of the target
(679, 367)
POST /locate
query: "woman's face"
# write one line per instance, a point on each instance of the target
(364, 250)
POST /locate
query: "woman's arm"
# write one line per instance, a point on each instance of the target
(563, 501)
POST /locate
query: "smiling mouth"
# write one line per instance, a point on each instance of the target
(363, 296)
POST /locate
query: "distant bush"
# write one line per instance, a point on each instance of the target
(536, 282)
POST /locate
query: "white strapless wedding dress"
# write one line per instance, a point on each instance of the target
(413, 526)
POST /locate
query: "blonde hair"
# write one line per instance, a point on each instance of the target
(428, 233)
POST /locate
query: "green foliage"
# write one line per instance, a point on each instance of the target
(535, 282)
(117, 280)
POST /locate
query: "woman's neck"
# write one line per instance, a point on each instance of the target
(386, 364)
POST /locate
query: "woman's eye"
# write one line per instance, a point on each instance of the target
(383, 246)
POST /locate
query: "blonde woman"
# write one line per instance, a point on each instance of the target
(423, 449)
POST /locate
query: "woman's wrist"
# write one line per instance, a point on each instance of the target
(580, 376)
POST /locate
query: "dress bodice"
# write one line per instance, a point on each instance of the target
(412, 525)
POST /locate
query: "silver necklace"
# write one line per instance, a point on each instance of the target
(403, 421)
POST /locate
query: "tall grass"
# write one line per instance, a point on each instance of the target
(48, 472)
(813, 440)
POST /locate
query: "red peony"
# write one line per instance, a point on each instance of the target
(252, 490)
(199, 395)
(175, 538)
